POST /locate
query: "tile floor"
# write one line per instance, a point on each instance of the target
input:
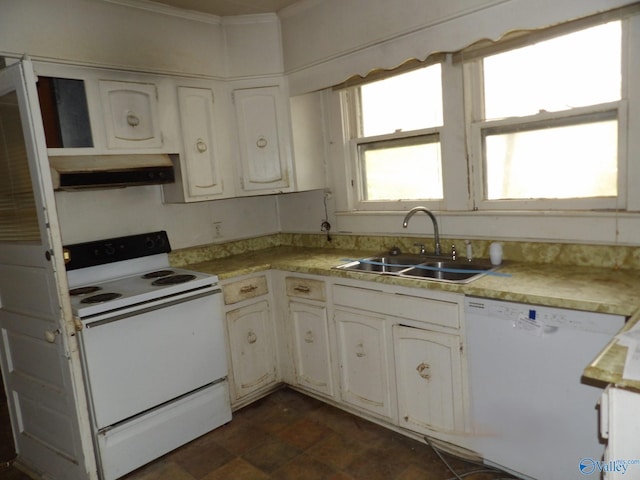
(288, 435)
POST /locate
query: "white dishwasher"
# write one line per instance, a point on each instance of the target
(532, 416)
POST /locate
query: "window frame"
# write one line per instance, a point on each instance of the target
(478, 160)
(351, 103)
(476, 125)
(461, 140)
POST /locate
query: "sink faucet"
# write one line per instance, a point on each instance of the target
(436, 233)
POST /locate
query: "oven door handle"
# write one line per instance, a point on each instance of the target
(120, 314)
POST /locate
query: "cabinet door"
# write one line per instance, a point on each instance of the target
(201, 172)
(620, 424)
(429, 380)
(264, 161)
(312, 357)
(130, 114)
(364, 362)
(253, 358)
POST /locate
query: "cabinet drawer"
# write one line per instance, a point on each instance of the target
(244, 289)
(429, 310)
(305, 288)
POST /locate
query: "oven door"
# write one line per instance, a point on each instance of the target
(153, 353)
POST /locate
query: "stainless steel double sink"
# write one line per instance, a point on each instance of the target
(439, 268)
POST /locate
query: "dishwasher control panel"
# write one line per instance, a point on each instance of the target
(545, 316)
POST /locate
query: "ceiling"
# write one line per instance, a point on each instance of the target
(229, 7)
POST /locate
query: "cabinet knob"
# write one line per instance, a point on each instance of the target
(201, 146)
(423, 370)
(132, 119)
(308, 337)
(50, 336)
(262, 142)
(252, 337)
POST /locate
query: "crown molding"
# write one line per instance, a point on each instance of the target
(162, 9)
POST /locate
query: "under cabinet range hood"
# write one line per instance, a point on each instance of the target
(76, 172)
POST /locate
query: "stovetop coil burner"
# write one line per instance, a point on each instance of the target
(158, 274)
(83, 290)
(173, 279)
(110, 275)
(101, 297)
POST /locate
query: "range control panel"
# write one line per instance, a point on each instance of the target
(100, 252)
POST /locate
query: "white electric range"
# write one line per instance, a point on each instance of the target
(153, 349)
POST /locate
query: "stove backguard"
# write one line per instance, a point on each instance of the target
(100, 252)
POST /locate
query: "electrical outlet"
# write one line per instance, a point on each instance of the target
(217, 229)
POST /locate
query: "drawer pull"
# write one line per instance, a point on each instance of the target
(302, 289)
(308, 337)
(252, 337)
(423, 370)
(360, 350)
(248, 288)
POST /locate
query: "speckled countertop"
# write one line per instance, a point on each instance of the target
(605, 288)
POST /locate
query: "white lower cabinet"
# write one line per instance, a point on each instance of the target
(620, 427)
(429, 380)
(363, 349)
(250, 330)
(401, 356)
(311, 347)
(392, 354)
(309, 332)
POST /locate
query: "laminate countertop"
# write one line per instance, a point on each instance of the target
(595, 289)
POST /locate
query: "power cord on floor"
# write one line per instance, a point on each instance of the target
(461, 476)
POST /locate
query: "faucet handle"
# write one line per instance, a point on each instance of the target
(422, 248)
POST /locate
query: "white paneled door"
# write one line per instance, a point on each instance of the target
(38, 348)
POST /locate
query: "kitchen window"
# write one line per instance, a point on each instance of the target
(547, 122)
(536, 121)
(395, 139)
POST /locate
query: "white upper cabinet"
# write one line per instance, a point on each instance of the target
(196, 119)
(130, 114)
(201, 173)
(126, 112)
(228, 138)
(264, 140)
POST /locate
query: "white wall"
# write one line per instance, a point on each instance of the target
(96, 214)
(304, 212)
(355, 42)
(327, 41)
(103, 33)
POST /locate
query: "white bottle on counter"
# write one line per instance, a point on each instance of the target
(495, 253)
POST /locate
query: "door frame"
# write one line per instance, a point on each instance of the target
(47, 259)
